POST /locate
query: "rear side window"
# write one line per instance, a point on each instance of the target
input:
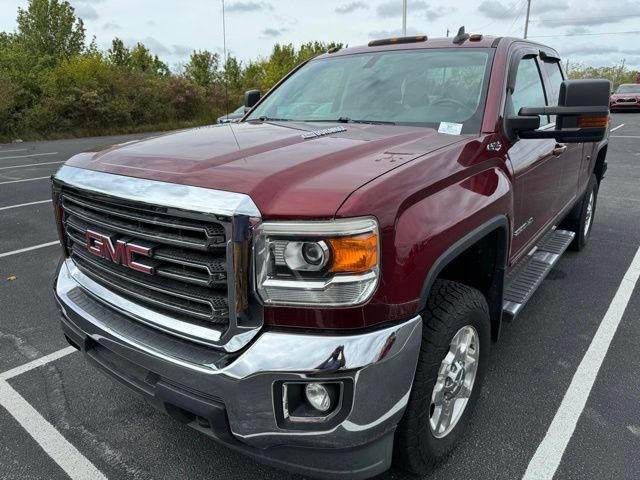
(529, 89)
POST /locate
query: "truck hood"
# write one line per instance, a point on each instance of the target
(286, 174)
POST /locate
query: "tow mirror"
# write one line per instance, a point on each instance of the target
(582, 114)
(251, 97)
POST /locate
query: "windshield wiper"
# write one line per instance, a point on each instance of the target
(351, 120)
(268, 119)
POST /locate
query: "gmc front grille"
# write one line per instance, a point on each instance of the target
(169, 257)
(189, 276)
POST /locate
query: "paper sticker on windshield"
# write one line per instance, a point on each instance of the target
(450, 128)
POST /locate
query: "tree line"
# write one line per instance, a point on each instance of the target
(617, 74)
(55, 83)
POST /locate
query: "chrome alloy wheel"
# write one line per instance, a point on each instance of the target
(589, 217)
(456, 376)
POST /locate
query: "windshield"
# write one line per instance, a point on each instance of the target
(629, 89)
(420, 87)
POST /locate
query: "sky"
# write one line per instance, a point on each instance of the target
(173, 29)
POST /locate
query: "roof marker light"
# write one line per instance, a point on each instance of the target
(396, 40)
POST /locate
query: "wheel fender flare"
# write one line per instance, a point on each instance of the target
(501, 223)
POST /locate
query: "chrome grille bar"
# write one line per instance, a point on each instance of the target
(189, 267)
(138, 231)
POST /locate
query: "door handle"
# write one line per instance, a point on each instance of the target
(559, 150)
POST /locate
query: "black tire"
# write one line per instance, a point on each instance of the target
(577, 219)
(451, 306)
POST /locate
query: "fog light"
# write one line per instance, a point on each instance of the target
(318, 396)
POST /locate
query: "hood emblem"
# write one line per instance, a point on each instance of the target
(323, 132)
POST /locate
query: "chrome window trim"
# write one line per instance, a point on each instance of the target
(155, 193)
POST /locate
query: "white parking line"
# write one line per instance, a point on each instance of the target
(12, 151)
(52, 442)
(25, 180)
(68, 457)
(29, 155)
(31, 165)
(28, 249)
(625, 136)
(547, 458)
(24, 204)
(38, 362)
(616, 128)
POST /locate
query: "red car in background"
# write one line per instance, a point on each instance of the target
(626, 97)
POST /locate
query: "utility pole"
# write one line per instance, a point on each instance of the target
(620, 73)
(224, 54)
(526, 23)
(224, 36)
(404, 18)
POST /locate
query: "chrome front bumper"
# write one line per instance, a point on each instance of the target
(380, 364)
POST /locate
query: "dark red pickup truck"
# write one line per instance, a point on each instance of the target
(319, 285)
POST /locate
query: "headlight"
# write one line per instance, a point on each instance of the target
(330, 263)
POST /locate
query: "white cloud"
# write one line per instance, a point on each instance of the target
(244, 7)
(273, 32)
(393, 8)
(352, 7)
(376, 34)
(85, 10)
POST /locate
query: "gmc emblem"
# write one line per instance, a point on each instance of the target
(121, 252)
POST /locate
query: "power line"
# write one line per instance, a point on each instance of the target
(505, 13)
(554, 20)
(586, 34)
(517, 17)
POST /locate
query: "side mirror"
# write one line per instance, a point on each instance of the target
(582, 114)
(251, 97)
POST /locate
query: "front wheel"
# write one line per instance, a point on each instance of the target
(451, 368)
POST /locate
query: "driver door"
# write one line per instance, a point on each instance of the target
(537, 168)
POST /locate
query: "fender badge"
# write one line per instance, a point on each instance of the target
(323, 132)
(494, 146)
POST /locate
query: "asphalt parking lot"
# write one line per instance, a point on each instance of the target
(536, 379)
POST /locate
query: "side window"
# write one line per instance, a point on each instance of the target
(529, 89)
(554, 75)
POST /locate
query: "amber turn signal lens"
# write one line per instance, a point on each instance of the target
(354, 254)
(600, 121)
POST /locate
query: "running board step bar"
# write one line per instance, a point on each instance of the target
(527, 276)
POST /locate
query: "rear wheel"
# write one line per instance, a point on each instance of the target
(451, 368)
(580, 219)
